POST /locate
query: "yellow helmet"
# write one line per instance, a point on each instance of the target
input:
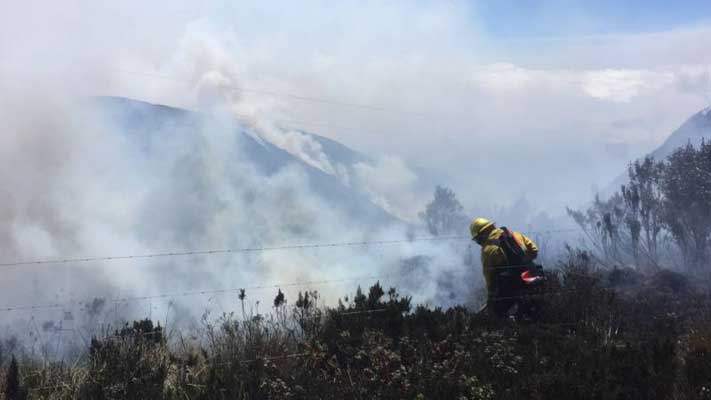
(479, 225)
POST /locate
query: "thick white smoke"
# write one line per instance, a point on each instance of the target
(78, 184)
(443, 96)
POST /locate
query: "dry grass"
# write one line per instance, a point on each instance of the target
(589, 342)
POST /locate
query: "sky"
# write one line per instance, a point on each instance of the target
(502, 101)
(567, 91)
(527, 19)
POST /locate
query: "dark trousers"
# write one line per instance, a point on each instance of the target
(506, 290)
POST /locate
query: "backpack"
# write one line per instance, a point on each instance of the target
(528, 274)
(514, 249)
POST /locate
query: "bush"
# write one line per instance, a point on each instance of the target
(131, 364)
(593, 340)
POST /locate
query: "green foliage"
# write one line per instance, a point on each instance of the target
(686, 186)
(590, 342)
(644, 200)
(132, 363)
(665, 203)
(604, 224)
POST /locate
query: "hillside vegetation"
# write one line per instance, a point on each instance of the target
(613, 335)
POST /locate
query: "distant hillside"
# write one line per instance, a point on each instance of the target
(140, 120)
(693, 130)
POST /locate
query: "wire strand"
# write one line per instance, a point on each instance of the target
(61, 305)
(254, 249)
(292, 96)
(228, 251)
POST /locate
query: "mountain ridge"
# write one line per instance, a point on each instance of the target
(695, 129)
(692, 131)
(139, 119)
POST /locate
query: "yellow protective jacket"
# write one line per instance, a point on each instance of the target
(492, 255)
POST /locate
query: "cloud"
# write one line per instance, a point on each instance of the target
(502, 77)
(614, 85)
(623, 85)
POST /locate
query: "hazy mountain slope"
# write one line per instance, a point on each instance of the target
(693, 130)
(337, 151)
(140, 120)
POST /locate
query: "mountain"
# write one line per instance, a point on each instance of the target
(141, 121)
(693, 130)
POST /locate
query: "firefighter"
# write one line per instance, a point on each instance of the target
(505, 254)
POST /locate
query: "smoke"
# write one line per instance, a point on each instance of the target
(214, 61)
(392, 185)
(439, 93)
(81, 179)
(302, 146)
(447, 87)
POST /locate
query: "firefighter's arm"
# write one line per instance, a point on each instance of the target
(530, 246)
(493, 256)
